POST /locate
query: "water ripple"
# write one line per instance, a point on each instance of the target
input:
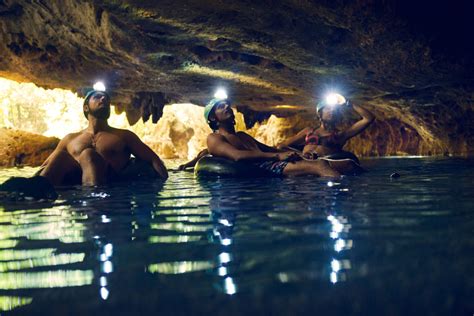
(306, 242)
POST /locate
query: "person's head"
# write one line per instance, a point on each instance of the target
(330, 109)
(218, 111)
(97, 104)
(329, 114)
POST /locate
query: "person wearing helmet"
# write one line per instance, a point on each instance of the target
(326, 142)
(225, 142)
(98, 154)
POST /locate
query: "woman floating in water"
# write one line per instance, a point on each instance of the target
(326, 141)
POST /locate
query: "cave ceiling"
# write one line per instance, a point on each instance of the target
(273, 56)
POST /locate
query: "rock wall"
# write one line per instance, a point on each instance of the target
(23, 148)
(182, 132)
(387, 55)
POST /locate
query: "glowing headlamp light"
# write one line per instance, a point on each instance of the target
(99, 86)
(335, 99)
(220, 94)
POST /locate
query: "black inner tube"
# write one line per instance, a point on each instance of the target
(209, 166)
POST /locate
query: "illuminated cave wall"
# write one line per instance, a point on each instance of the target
(32, 119)
(385, 137)
(417, 84)
(180, 133)
(26, 107)
(29, 112)
(23, 148)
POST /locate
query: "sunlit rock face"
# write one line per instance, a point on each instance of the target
(151, 53)
(29, 113)
(180, 133)
(23, 148)
(47, 112)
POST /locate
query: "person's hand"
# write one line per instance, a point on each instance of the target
(289, 156)
(310, 155)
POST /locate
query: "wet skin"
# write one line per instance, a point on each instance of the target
(240, 140)
(239, 146)
(329, 117)
(97, 150)
(329, 120)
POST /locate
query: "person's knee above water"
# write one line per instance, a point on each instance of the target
(99, 153)
(327, 140)
(225, 142)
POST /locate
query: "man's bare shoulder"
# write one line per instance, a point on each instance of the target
(244, 136)
(69, 137)
(215, 137)
(119, 130)
(122, 132)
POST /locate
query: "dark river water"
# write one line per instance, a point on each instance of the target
(365, 245)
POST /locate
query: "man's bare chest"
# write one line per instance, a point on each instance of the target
(104, 143)
(241, 143)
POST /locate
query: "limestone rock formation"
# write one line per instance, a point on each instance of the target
(22, 148)
(392, 56)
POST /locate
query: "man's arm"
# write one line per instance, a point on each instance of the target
(143, 152)
(62, 146)
(193, 162)
(359, 126)
(220, 147)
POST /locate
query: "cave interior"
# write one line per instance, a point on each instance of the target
(409, 63)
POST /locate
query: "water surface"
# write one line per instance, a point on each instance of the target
(364, 245)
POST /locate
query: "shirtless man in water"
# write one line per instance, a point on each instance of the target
(100, 152)
(227, 143)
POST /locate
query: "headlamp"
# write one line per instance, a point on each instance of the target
(335, 99)
(220, 94)
(99, 86)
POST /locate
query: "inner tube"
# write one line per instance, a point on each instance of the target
(21, 188)
(343, 155)
(209, 166)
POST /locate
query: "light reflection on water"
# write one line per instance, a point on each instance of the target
(65, 258)
(56, 223)
(340, 228)
(306, 242)
(180, 267)
(10, 302)
(47, 279)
